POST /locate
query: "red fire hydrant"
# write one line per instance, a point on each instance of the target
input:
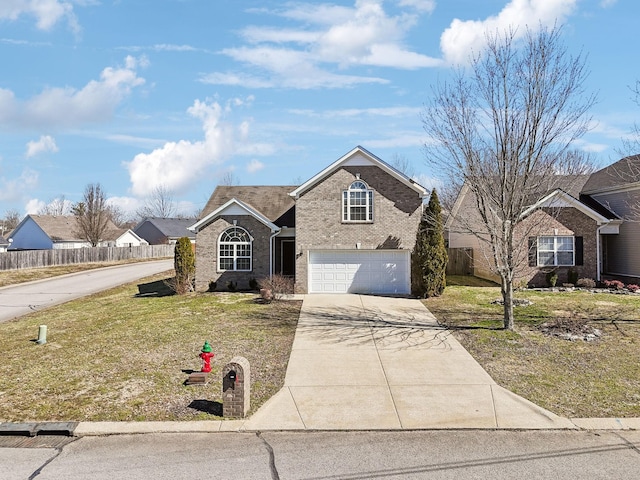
(206, 357)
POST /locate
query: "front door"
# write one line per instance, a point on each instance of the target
(288, 258)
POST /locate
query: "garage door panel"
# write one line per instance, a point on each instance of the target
(376, 271)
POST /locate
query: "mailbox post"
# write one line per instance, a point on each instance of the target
(236, 388)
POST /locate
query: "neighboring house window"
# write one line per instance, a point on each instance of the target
(555, 251)
(234, 250)
(357, 203)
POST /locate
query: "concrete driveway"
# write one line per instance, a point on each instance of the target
(367, 362)
(18, 300)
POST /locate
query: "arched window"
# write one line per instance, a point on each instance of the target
(357, 203)
(234, 250)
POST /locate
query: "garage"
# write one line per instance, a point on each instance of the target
(359, 271)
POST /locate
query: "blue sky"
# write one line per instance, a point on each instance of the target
(136, 94)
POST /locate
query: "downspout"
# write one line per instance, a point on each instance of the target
(271, 252)
(598, 253)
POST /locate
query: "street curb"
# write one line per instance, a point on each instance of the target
(88, 429)
(32, 429)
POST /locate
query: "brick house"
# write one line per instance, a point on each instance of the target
(349, 229)
(569, 230)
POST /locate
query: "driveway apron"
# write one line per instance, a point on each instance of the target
(362, 362)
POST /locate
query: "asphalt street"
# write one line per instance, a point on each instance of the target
(458, 455)
(21, 299)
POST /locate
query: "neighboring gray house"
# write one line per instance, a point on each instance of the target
(349, 229)
(45, 232)
(617, 188)
(164, 231)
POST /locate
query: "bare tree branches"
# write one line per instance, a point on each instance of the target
(58, 206)
(505, 130)
(160, 204)
(92, 214)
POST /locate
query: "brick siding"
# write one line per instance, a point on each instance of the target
(396, 215)
(207, 253)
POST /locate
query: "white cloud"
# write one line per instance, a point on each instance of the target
(397, 112)
(95, 102)
(176, 164)
(33, 206)
(254, 166)
(420, 5)
(47, 12)
(14, 189)
(46, 143)
(128, 205)
(464, 38)
(331, 36)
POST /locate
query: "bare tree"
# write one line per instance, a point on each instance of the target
(10, 221)
(228, 179)
(58, 206)
(92, 214)
(631, 144)
(504, 129)
(402, 164)
(160, 204)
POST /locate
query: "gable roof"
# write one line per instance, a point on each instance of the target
(273, 202)
(229, 207)
(559, 198)
(567, 194)
(621, 174)
(170, 227)
(359, 156)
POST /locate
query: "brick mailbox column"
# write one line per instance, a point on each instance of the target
(236, 388)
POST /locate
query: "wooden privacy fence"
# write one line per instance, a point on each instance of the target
(460, 261)
(16, 260)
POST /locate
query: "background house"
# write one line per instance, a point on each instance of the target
(617, 188)
(164, 231)
(4, 244)
(44, 232)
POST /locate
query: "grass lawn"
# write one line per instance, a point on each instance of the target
(117, 356)
(570, 378)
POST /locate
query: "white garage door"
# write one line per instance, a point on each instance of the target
(359, 271)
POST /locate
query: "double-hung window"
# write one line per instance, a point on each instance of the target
(234, 250)
(357, 203)
(556, 251)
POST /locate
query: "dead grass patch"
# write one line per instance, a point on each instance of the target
(570, 378)
(118, 356)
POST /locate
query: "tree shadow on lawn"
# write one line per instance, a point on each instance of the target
(158, 288)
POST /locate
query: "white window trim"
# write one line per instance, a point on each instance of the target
(555, 251)
(346, 203)
(235, 256)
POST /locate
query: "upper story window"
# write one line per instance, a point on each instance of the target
(234, 250)
(556, 251)
(357, 203)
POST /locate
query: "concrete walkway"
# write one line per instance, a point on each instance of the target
(365, 362)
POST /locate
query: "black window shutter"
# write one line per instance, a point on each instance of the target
(533, 251)
(579, 251)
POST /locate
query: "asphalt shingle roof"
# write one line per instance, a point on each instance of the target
(273, 202)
